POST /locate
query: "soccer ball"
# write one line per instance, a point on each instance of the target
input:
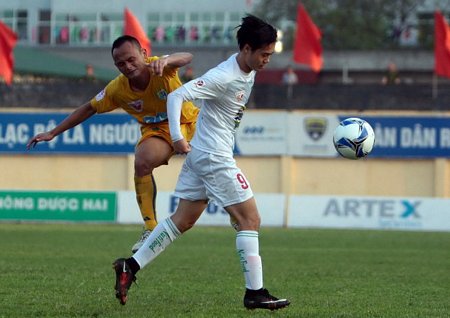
(353, 138)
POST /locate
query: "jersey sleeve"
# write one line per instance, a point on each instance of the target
(174, 106)
(168, 70)
(209, 86)
(103, 102)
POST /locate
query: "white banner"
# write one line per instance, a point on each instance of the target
(271, 207)
(419, 214)
(281, 133)
(425, 214)
(262, 133)
(311, 135)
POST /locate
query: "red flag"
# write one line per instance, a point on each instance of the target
(441, 45)
(133, 27)
(307, 46)
(8, 41)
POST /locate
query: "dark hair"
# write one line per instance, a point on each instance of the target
(255, 32)
(123, 39)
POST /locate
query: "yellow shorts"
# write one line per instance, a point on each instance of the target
(161, 130)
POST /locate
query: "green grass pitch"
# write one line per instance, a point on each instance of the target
(64, 270)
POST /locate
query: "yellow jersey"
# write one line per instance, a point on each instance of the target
(149, 106)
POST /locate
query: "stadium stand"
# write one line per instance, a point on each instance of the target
(59, 38)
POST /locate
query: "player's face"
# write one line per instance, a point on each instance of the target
(129, 60)
(256, 60)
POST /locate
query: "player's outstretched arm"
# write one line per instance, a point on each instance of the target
(179, 59)
(76, 117)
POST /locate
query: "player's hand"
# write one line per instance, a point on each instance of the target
(46, 136)
(181, 147)
(157, 66)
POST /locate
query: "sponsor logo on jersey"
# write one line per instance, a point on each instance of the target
(199, 83)
(315, 127)
(137, 105)
(162, 94)
(238, 117)
(100, 95)
(162, 116)
(240, 96)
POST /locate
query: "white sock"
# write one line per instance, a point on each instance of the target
(247, 245)
(162, 235)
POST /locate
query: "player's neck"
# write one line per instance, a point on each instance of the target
(241, 62)
(141, 82)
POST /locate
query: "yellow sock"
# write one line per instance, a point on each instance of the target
(146, 196)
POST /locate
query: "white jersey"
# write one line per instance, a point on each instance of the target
(223, 91)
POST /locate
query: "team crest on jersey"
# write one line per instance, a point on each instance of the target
(162, 94)
(315, 127)
(100, 95)
(240, 96)
(137, 105)
(199, 83)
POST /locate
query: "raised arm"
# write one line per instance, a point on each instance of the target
(78, 116)
(179, 59)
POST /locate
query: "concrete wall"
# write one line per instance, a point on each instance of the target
(208, 57)
(307, 176)
(61, 94)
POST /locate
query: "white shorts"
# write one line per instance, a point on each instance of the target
(217, 178)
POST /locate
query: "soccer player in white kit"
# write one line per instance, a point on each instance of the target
(210, 171)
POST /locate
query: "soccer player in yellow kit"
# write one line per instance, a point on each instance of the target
(141, 90)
